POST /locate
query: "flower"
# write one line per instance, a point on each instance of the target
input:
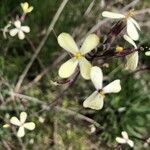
(132, 25)
(19, 30)
(133, 58)
(68, 68)
(21, 123)
(25, 7)
(125, 139)
(147, 53)
(96, 99)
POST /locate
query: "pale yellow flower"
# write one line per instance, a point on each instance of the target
(22, 124)
(68, 68)
(125, 139)
(132, 25)
(26, 8)
(96, 99)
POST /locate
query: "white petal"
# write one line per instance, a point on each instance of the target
(131, 30)
(21, 35)
(13, 32)
(85, 68)
(124, 135)
(17, 24)
(15, 121)
(147, 53)
(131, 143)
(96, 77)
(89, 44)
(128, 39)
(132, 61)
(23, 117)
(135, 23)
(113, 87)
(109, 14)
(120, 140)
(25, 29)
(21, 132)
(66, 41)
(68, 68)
(29, 125)
(94, 101)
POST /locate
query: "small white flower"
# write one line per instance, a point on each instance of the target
(19, 30)
(132, 25)
(25, 7)
(67, 42)
(133, 58)
(22, 124)
(125, 139)
(96, 99)
(147, 53)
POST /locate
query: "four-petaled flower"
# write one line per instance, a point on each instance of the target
(132, 25)
(22, 124)
(19, 30)
(96, 99)
(68, 43)
(125, 139)
(133, 58)
(26, 8)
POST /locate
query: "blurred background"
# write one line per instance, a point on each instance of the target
(61, 121)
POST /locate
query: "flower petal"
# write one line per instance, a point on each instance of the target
(97, 77)
(131, 143)
(25, 29)
(94, 101)
(21, 132)
(13, 32)
(132, 61)
(90, 43)
(30, 9)
(85, 68)
(135, 23)
(24, 6)
(66, 41)
(15, 121)
(125, 135)
(113, 87)
(147, 53)
(120, 140)
(68, 68)
(17, 24)
(109, 14)
(21, 35)
(29, 125)
(131, 30)
(23, 117)
(128, 39)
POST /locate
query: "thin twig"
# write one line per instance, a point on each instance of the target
(50, 28)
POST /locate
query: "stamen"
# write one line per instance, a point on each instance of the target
(77, 55)
(119, 49)
(130, 13)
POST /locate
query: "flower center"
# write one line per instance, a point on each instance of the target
(130, 14)
(78, 55)
(101, 92)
